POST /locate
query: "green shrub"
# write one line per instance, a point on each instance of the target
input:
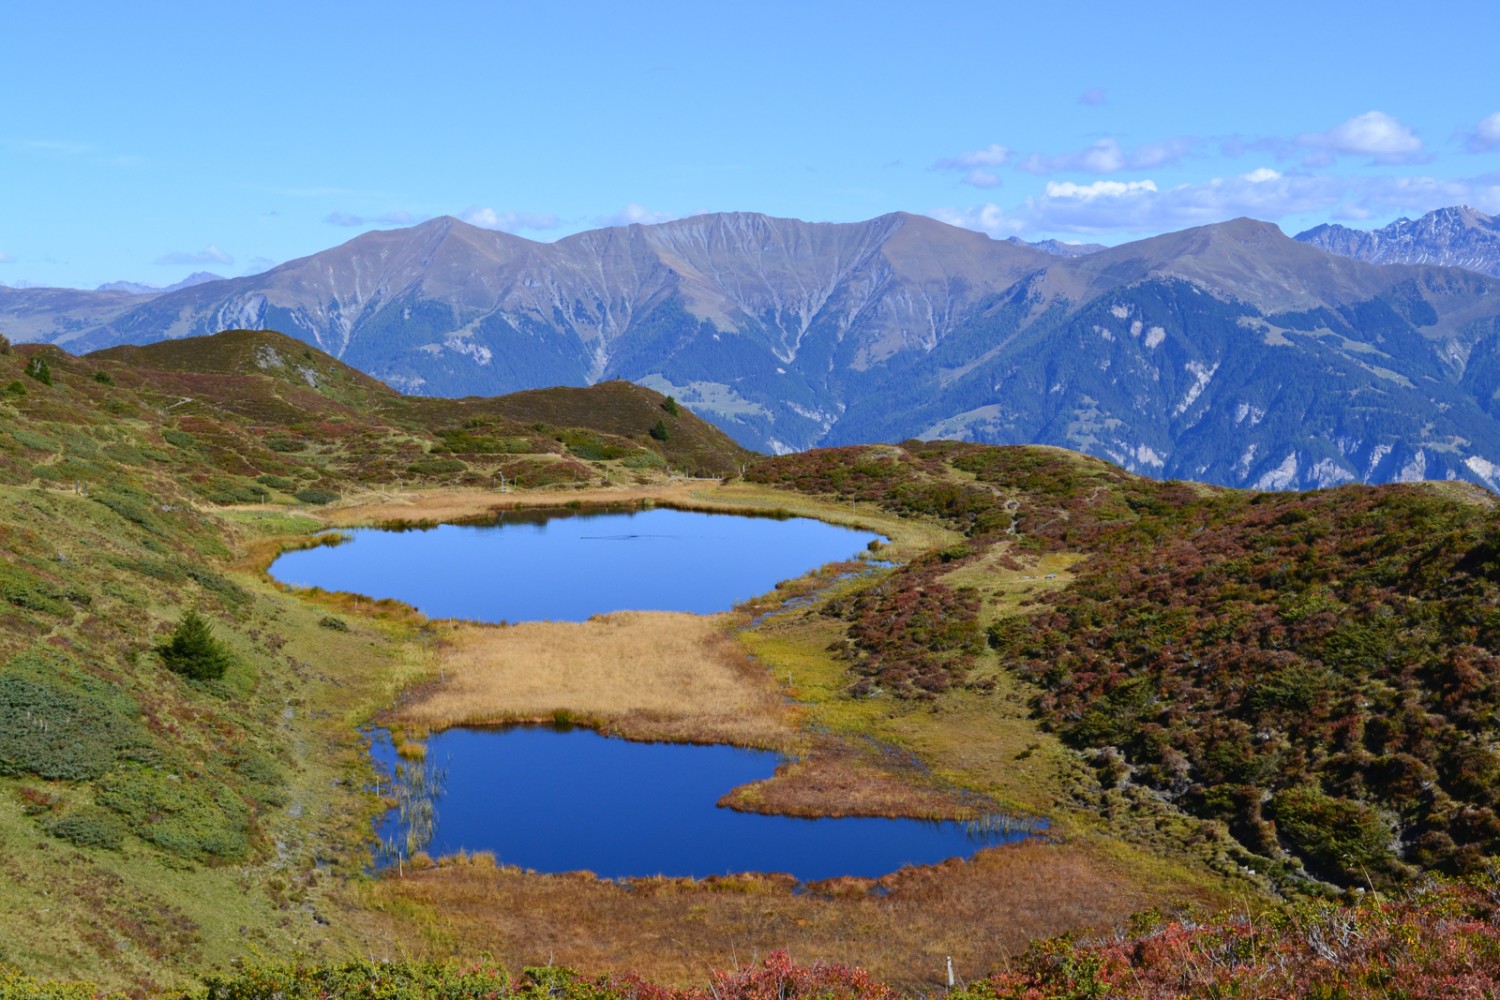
(436, 466)
(193, 651)
(58, 734)
(33, 440)
(178, 439)
(645, 460)
(26, 590)
(1341, 840)
(228, 491)
(316, 496)
(659, 430)
(286, 445)
(15, 388)
(592, 447)
(38, 369)
(178, 813)
(335, 624)
(670, 405)
(390, 981)
(276, 482)
(90, 828)
(104, 378)
(209, 580)
(131, 504)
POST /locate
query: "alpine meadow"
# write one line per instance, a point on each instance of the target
(682, 501)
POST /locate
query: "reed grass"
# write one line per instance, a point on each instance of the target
(645, 675)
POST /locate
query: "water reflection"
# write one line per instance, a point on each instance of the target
(551, 565)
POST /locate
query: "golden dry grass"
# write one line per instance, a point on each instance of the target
(981, 912)
(446, 505)
(645, 675)
(840, 778)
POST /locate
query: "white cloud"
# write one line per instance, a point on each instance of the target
(982, 179)
(1486, 135)
(508, 222)
(993, 155)
(1094, 96)
(1374, 134)
(1105, 207)
(6, 258)
(1107, 156)
(208, 255)
(634, 214)
(988, 218)
(1098, 189)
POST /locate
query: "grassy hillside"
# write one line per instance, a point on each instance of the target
(1318, 671)
(165, 824)
(264, 383)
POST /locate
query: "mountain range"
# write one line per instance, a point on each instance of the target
(1227, 353)
(1458, 237)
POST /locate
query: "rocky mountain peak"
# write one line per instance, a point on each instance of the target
(1460, 236)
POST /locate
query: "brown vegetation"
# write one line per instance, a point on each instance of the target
(981, 912)
(644, 675)
(839, 778)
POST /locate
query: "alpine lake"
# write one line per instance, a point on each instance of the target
(652, 807)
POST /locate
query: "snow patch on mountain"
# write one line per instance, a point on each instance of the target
(1280, 478)
(1484, 469)
(1202, 375)
(469, 348)
(1415, 470)
(1244, 411)
(1326, 472)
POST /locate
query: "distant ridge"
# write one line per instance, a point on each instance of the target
(1456, 237)
(136, 288)
(1226, 353)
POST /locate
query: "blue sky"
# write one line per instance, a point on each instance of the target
(144, 142)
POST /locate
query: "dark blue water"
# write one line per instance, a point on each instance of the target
(560, 801)
(567, 567)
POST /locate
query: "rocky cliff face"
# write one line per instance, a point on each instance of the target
(1455, 237)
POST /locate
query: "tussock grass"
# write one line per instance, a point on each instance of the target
(843, 778)
(645, 675)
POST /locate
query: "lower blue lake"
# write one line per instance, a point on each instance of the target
(573, 800)
(557, 566)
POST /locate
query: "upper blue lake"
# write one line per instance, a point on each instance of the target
(569, 801)
(557, 565)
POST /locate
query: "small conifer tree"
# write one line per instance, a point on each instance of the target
(659, 431)
(670, 405)
(193, 651)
